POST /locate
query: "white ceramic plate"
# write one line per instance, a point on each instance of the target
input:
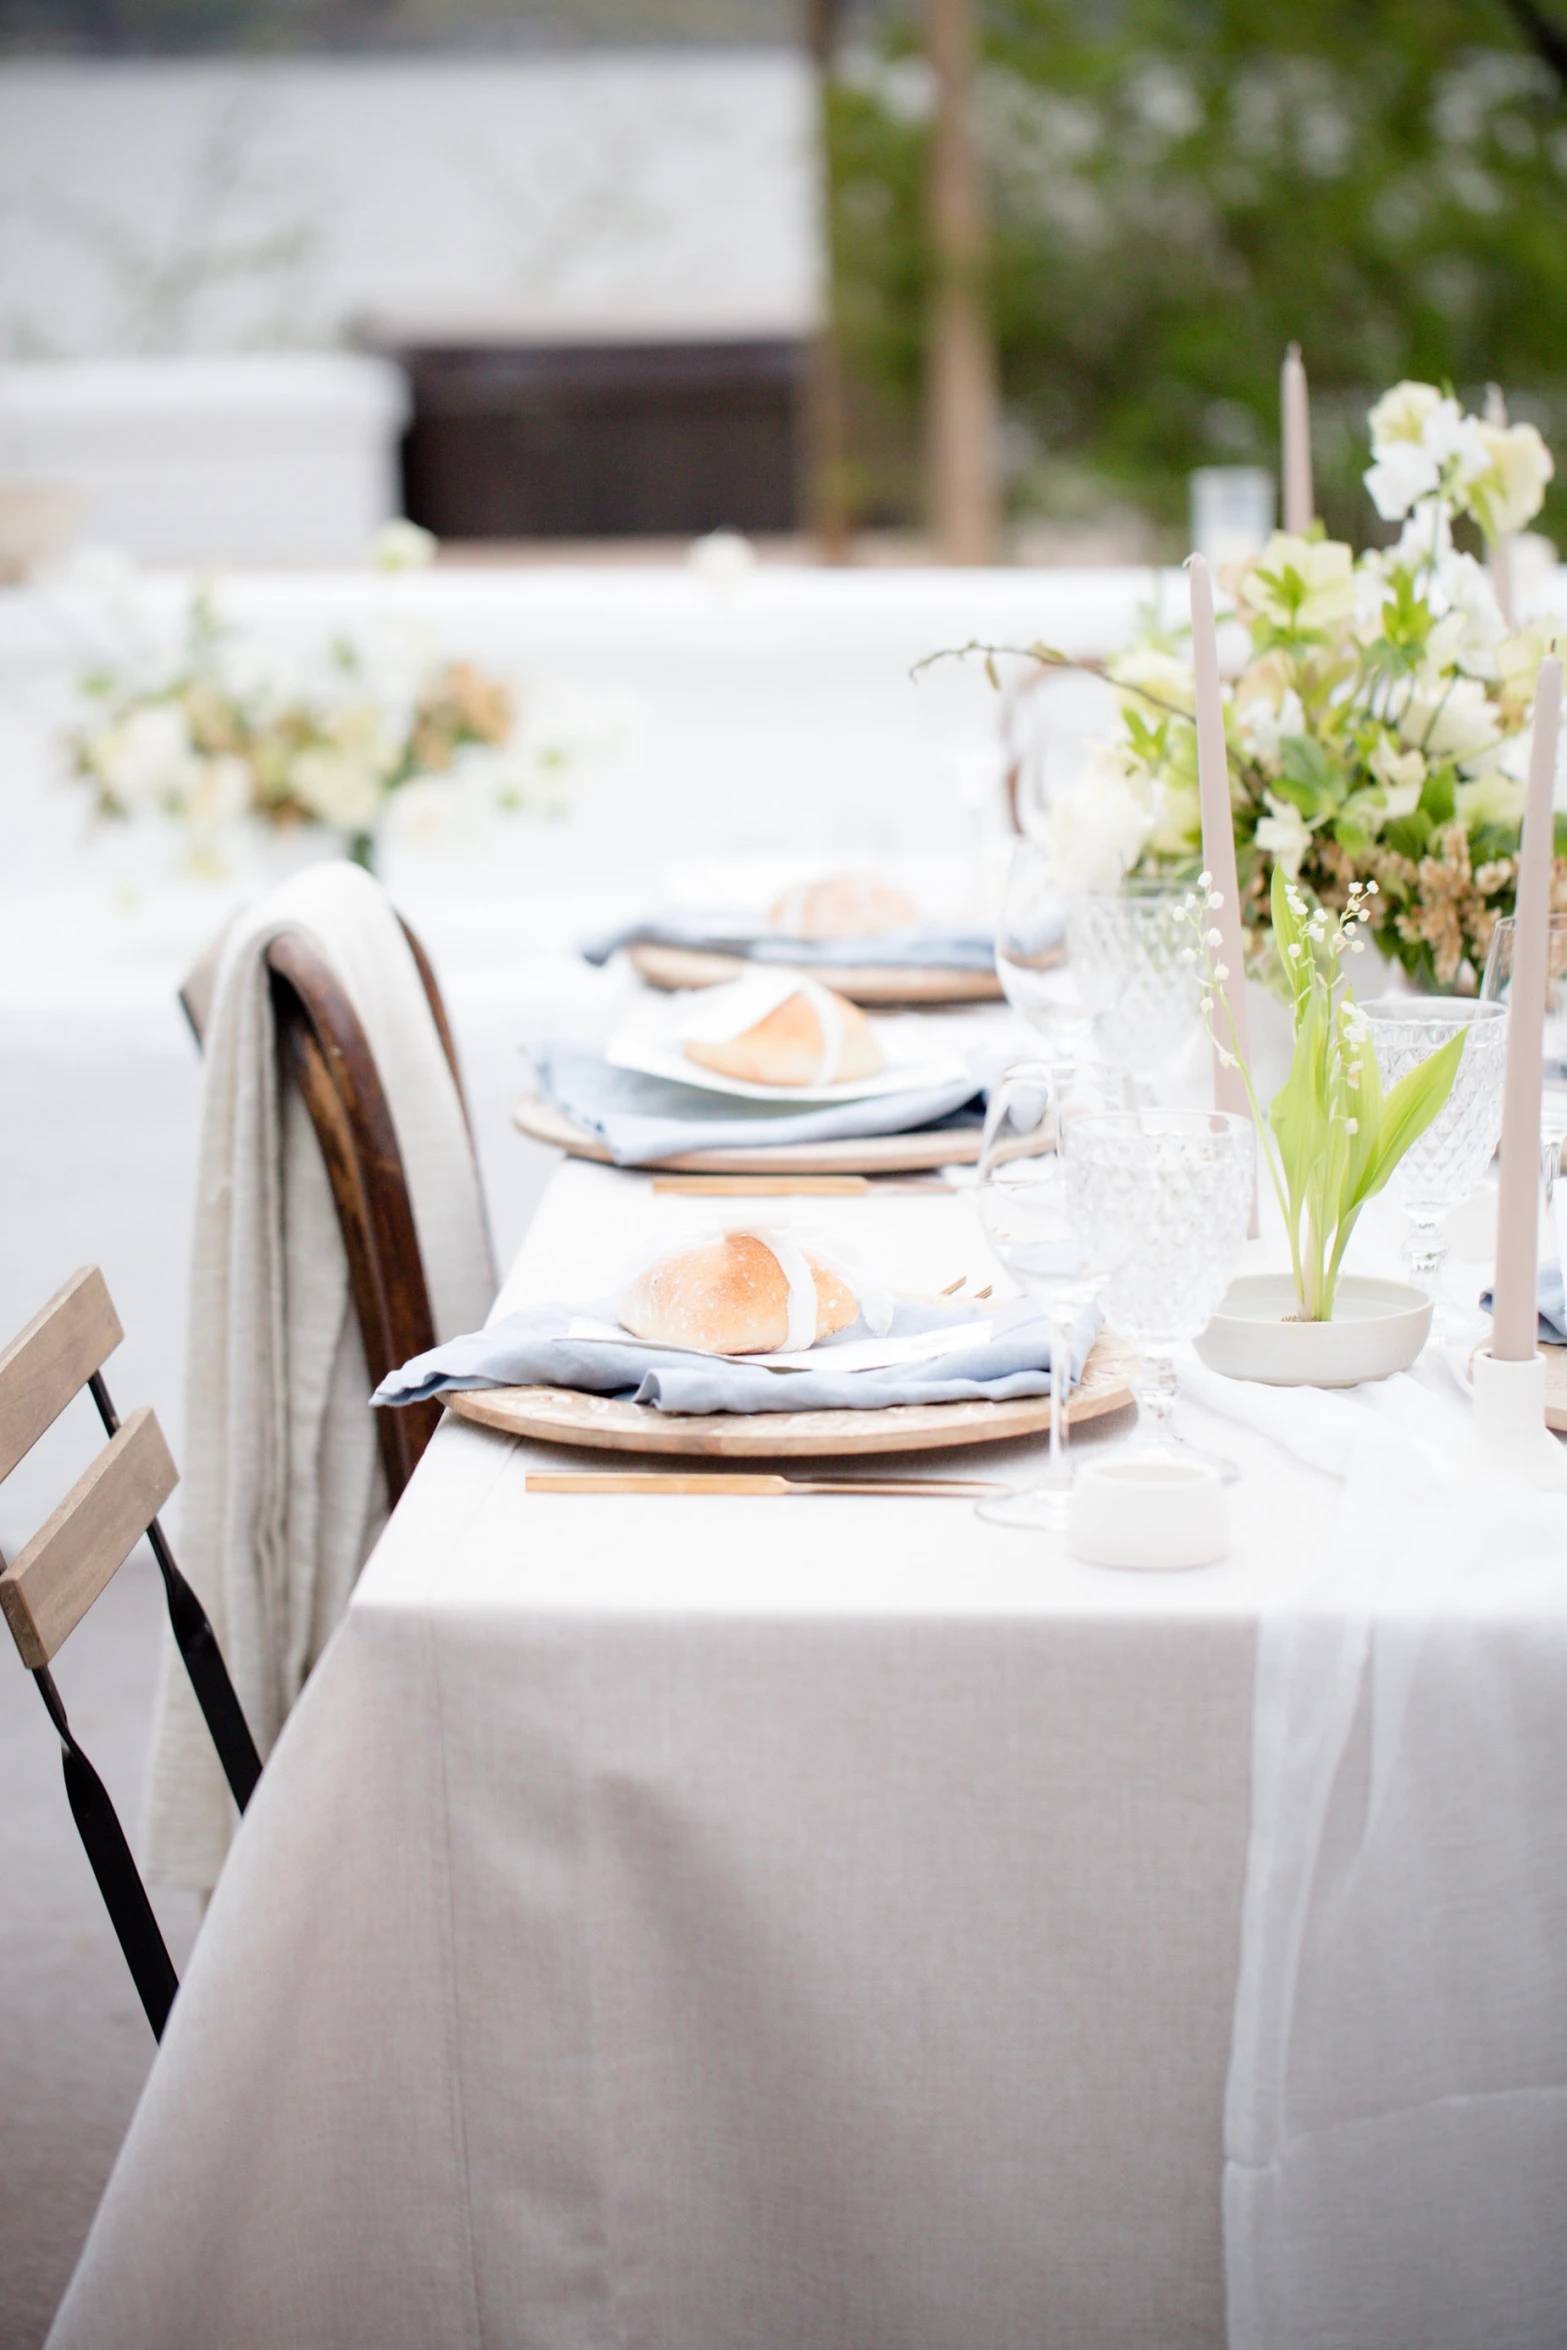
(1378, 1327)
(648, 1041)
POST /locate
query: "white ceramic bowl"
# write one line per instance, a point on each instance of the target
(1378, 1327)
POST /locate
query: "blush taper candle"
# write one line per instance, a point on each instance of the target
(1300, 503)
(1514, 1322)
(1218, 841)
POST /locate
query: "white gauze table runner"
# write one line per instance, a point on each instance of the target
(283, 1493)
(1396, 2110)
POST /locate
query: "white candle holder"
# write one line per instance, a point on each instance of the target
(1507, 1435)
(1148, 1509)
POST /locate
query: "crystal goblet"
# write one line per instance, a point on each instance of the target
(1031, 958)
(1495, 987)
(1031, 1203)
(1175, 1187)
(1448, 1160)
(1137, 975)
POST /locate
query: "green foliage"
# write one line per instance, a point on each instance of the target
(1332, 1137)
(1179, 190)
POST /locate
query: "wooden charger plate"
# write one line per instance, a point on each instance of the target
(607, 1423)
(870, 1154)
(883, 985)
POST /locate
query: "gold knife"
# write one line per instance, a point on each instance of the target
(687, 1481)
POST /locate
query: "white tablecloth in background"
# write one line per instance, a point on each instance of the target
(751, 718)
(720, 1925)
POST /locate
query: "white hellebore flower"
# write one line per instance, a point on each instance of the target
(1471, 625)
(1264, 726)
(1451, 719)
(1402, 414)
(1325, 569)
(1284, 835)
(1098, 825)
(147, 761)
(337, 788)
(1511, 491)
(1419, 439)
(1168, 679)
(1402, 775)
(1403, 475)
(403, 546)
(1456, 441)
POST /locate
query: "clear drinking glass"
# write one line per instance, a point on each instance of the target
(1455, 1150)
(1174, 1189)
(1031, 1203)
(1137, 976)
(1031, 960)
(1494, 989)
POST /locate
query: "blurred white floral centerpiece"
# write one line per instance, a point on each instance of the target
(330, 749)
(1378, 729)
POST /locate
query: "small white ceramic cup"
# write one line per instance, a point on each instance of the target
(1148, 1510)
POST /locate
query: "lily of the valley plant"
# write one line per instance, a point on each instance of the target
(1331, 1136)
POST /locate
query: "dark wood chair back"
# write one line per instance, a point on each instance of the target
(48, 1588)
(322, 1043)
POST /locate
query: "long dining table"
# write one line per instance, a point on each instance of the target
(697, 1922)
(704, 1922)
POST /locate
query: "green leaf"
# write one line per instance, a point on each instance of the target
(1298, 1110)
(1437, 803)
(1417, 1098)
(1408, 835)
(1311, 778)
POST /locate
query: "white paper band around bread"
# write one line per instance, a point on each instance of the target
(722, 1015)
(674, 1299)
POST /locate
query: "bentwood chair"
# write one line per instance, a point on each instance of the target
(322, 1043)
(48, 1588)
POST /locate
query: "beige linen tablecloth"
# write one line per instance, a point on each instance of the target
(721, 1925)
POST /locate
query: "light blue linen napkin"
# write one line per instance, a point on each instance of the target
(532, 1349)
(924, 948)
(640, 1118)
(1550, 1300)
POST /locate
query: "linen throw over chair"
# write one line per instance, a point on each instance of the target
(48, 1588)
(339, 1227)
(322, 1044)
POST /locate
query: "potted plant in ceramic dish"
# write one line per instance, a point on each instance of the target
(1331, 1137)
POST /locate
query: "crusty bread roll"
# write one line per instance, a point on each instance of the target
(733, 1296)
(850, 905)
(812, 1037)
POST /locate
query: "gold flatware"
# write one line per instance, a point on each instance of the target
(682, 1481)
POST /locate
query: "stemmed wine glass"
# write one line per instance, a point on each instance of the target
(1171, 1194)
(1495, 987)
(1137, 978)
(1444, 1165)
(1031, 958)
(1040, 1223)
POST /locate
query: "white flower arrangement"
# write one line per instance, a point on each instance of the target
(369, 738)
(1378, 730)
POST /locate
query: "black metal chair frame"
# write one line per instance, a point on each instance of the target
(119, 1879)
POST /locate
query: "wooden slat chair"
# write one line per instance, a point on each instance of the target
(48, 1588)
(322, 1043)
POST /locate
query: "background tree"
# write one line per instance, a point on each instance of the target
(1177, 191)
